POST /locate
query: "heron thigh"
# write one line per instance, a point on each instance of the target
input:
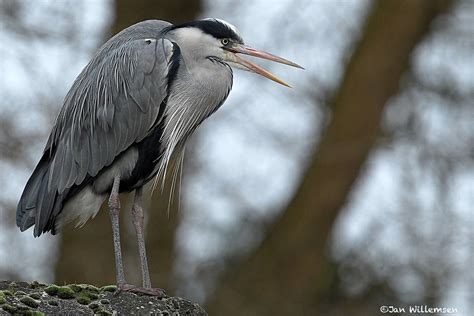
(82, 206)
(123, 166)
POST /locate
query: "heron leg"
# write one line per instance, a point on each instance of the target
(138, 222)
(114, 211)
(137, 211)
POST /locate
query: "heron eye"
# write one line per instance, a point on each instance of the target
(225, 41)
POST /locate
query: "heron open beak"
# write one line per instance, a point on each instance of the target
(243, 49)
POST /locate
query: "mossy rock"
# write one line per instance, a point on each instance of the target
(6, 293)
(36, 296)
(75, 287)
(27, 312)
(3, 298)
(84, 300)
(90, 292)
(36, 284)
(90, 287)
(22, 309)
(66, 292)
(53, 302)
(102, 312)
(109, 288)
(52, 289)
(9, 308)
(91, 295)
(29, 301)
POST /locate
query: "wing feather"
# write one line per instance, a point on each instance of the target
(112, 104)
(119, 112)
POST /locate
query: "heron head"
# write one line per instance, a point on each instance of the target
(223, 41)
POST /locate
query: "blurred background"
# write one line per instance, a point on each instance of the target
(354, 189)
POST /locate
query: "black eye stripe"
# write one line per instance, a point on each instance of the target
(213, 27)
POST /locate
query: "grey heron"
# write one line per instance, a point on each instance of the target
(131, 108)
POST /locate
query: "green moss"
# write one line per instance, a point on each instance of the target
(3, 297)
(52, 289)
(90, 287)
(65, 292)
(84, 300)
(76, 288)
(53, 302)
(91, 295)
(35, 285)
(109, 288)
(20, 293)
(86, 293)
(102, 311)
(31, 302)
(9, 308)
(6, 293)
(22, 308)
(36, 296)
(29, 313)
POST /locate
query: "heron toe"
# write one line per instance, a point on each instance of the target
(160, 293)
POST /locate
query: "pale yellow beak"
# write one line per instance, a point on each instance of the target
(242, 49)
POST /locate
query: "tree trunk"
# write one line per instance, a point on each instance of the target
(290, 272)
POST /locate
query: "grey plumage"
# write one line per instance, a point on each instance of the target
(112, 104)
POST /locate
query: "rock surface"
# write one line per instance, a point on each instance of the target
(21, 298)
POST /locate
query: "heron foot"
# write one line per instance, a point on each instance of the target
(159, 293)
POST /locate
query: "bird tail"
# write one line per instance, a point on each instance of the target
(38, 202)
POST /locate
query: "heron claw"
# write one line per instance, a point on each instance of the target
(159, 293)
